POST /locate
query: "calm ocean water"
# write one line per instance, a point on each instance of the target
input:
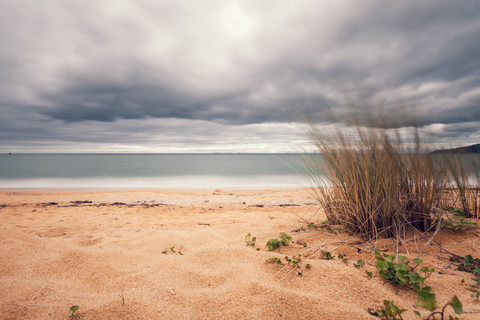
(118, 171)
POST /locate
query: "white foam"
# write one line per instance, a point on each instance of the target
(170, 182)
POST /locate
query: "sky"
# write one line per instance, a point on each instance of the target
(231, 76)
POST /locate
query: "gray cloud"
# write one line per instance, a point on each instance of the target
(93, 66)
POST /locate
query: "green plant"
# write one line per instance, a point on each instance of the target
(427, 271)
(360, 263)
(171, 250)
(342, 258)
(457, 221)
(475, 295)
(327, 256)
(73, 309)
(427, 298)
(399, 272)
(454, 303)
(274, 260)
(249, 240)
(272, 244)
(389, 312)
(285, 239)
(304, 244)
(404, 274)
(295, 260)
(469, 264)
(302, 228)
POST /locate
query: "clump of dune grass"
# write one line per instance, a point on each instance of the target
(466, 186)
(381, 182)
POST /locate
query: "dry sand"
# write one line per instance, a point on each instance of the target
(102, 250)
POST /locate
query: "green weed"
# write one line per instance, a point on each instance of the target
(249, 240)
(304, 244)
(360, 263)
(469, 264)
(273, 244)
(172, 250)
(327, 256)
(389, 312)
(274, 260)
(427, 298)
(73, 309)
(285, 239)
(456, 306)
(342, 258)
(398, 272)
(457, 221)
(295, 260)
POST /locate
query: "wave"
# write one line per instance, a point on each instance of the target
(169, 182)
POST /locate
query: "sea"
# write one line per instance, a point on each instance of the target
(165, 171)
(152, 171)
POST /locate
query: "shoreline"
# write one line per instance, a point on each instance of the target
(182, 253)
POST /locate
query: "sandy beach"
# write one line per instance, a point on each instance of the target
(181, 254)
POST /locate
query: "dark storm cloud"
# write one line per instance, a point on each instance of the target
(69, 65)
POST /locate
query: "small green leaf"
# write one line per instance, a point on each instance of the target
(382, 265)
(274, 260)
(389, 258)
(415, 277)
(400, 267)
(73, 309)
(401, 277)
(429, 305)
(456, 305)
(417, 261)
(360, 263)
(425, 294)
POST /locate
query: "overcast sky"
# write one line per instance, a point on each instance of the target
(229, 76)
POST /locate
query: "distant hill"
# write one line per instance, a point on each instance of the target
(475, 148)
